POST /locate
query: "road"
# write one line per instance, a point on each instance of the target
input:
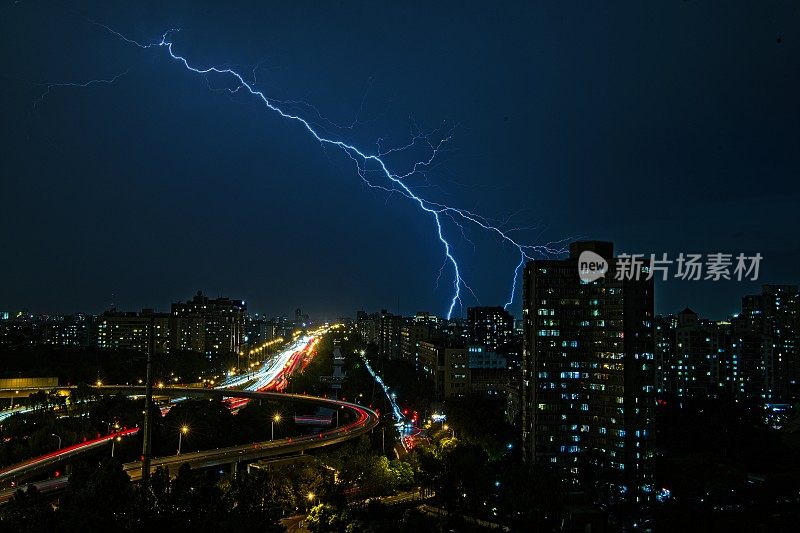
(44, 462)
(48, 485)
(273, 373)
(5, 413)
(364, 420)
(270, 377)
(295, 524)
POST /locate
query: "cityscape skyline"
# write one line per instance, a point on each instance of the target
(418, 267)
(696, 304)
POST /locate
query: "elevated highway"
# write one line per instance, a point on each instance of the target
(363, 421)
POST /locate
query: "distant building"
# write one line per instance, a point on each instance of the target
(775, 313)
(481, 357)
(411, 334)
(367, 326)
(699, 362)
(389, 326)
(301, 320)
(492, 327)
(766, 344)
(146, 332)
(209, 326)
(18, 331)
(424, 317)
(384, 330)
(282, 327)
(588, 373)
(447, 365)
(666, 362)
(498, 382)
(71, 330)
(753, 357)
(456, 330)
(491, 375)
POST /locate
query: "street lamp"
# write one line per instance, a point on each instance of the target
(59, 440)
(184, 430)
(113, 444)
(452, 431)
(275, 418)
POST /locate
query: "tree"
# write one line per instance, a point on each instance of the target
(325, 518)
(27, 512)
(402, 473)
(245, 505)
(96, 498)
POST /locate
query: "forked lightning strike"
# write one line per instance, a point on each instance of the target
(396, 182)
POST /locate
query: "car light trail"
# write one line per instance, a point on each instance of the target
(364, 420)
(396, 412)
(64, 453)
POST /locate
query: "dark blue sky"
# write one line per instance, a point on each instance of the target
(663, 126)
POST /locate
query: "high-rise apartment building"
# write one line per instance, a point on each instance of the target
(384, 330)
(146, 332)
(766, 344)
(589, 373)
(210, 326)
(701, 348)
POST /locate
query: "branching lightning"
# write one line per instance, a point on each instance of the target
(368, 165)
(50, 86)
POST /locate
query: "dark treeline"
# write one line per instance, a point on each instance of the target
(726, 468)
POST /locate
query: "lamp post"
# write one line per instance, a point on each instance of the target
(275, 418)
(59, 440)
(452, 431)
(184, 430)
(310, 496)
(114, 441)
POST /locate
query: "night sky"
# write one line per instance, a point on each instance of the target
(663, 126)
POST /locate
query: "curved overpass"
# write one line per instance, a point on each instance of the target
(364, 420)
(48, 460)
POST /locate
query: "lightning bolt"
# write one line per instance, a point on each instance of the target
(50, 86)
(368, 164)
